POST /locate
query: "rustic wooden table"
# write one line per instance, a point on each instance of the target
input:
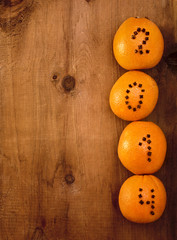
(59, 170)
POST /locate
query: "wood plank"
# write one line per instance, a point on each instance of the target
(59, 171)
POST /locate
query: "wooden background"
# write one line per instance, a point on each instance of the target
(59, 171)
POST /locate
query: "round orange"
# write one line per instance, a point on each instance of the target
(142, 147)
(142, 199)
(138, 44)
(133, 96)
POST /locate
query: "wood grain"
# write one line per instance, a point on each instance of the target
(59, 171)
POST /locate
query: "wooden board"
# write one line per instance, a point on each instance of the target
(59, 170)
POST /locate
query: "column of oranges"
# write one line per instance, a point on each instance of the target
(139, 44)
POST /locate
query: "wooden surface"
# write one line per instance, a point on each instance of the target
(59, 171)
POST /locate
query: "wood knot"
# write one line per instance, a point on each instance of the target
(55, 78)
(171, 59)
(39, 234)
(11, 9)
(10, 3)
(69, 179)
(68, 83)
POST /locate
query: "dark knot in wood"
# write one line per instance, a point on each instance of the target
(69, 179)
(68, 83)
(171, 59)
(13, 13)
(10, 3)
(54, 77)
(39, 234)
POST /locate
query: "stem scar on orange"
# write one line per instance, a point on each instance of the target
(142, 147)
(133, 96)
(138, 44)
(142, 199)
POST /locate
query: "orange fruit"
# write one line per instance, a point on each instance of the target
(142, 147)
(133, 96)
(138, 44)
(142, 199)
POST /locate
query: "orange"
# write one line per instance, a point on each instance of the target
(142, 147)
(142, 199)
(138, 44)
(133, 96)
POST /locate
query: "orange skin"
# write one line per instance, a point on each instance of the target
(142, 147)
(142, 98)
(126, 42)
(142, 199)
